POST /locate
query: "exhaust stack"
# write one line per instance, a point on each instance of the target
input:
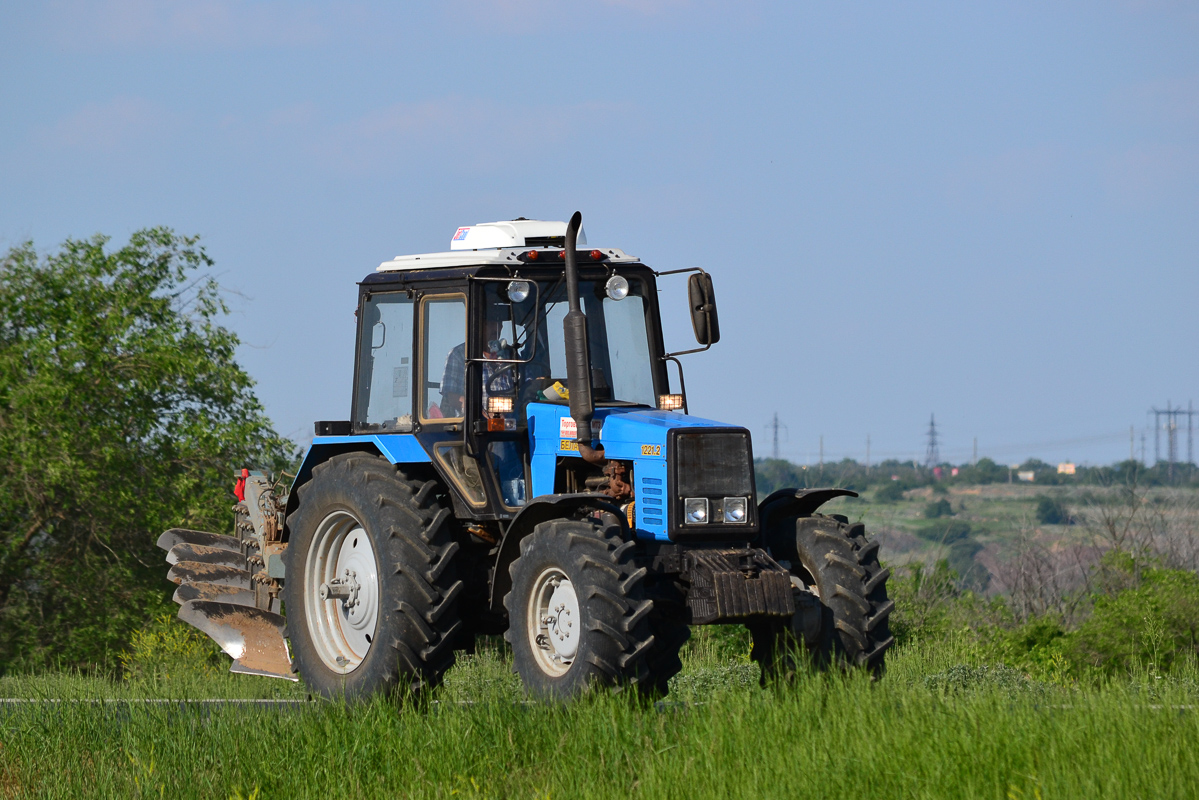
(578, 352)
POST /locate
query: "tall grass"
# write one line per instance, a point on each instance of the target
(930, 728)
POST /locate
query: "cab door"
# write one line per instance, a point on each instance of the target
(443, 394)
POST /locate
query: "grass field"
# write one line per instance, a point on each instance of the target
(932, 727)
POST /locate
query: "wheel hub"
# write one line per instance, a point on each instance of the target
(342, 592)
(556, 623)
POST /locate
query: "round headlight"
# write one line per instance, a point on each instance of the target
(518, 291)
(617, 287)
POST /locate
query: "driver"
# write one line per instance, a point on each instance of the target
(499, 379)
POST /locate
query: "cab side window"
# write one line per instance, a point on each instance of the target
(444, 357)
(384, 359)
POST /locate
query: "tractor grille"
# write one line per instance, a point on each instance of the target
(715, 464)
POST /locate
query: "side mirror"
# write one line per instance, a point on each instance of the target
(702, 298)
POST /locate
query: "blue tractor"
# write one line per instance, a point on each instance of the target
(517, 462)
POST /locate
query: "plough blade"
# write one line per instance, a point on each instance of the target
(213, 591)
(182, 535)
(196, 572)
(204, 554)
(253, 637)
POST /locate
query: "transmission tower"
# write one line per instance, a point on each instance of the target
(1170, 426)
(774, 426)
(932, 456)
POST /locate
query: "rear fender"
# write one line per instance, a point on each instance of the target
(396, 448)
(796, 503)
(539, 510)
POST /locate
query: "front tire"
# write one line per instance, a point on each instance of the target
(844, 621)
(577, 611)
(371, 594)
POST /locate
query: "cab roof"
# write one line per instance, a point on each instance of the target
(499, 243)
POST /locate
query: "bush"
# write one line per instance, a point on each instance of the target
(1152, 626)
(946, 533)
(1053, 511)
(167, 646)
(937, 509)
(890, 492)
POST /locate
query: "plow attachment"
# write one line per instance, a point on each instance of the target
(253, 637)
(217, 595)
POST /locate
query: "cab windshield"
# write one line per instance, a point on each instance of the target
(617, 331)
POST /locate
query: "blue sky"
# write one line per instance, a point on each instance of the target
(989, 211)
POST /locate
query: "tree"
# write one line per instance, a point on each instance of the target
(122, 412)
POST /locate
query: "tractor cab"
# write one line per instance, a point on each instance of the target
(466, 351)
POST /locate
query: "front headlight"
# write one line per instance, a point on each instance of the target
(735, 509)
(695, 510)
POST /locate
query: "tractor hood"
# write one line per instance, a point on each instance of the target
(622, 431)
(666, 457)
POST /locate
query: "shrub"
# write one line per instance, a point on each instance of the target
(946, 533)
(937, 509)
(1053, 511)
(890, 492)
(1152, 626)
(167, 646)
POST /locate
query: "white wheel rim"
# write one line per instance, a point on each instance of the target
(342, 629)
(555, 625)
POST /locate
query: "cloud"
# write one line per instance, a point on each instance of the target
(1172, 103)
(467, 133)
(110, 126)
(184, 23)
(543, 17)
(1151, 174)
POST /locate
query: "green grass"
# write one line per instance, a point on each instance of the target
(930, 728)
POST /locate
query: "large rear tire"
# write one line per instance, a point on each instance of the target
(849, 627)
(371, 591)
(577, 612)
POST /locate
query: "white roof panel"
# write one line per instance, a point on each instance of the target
(471, 258)
(511, 233)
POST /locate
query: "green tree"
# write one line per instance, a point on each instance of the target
(122, 412)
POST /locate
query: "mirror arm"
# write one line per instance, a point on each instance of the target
(671, 356)
(682, 383)
(679, 271)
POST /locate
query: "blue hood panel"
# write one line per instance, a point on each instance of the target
(628, 434)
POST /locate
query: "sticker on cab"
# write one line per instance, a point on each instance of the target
(460, 234)
(570, 445)
(651, 449)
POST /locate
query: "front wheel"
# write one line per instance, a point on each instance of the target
(577, 611)
(842, 606)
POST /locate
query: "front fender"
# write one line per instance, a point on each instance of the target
(540, 509)
(796, 503)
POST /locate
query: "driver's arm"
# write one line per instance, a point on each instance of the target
(453, 382)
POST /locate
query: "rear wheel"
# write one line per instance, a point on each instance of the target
(371, 595)
(577, 611)
(842, 608)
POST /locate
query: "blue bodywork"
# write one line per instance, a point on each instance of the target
(637, 435)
